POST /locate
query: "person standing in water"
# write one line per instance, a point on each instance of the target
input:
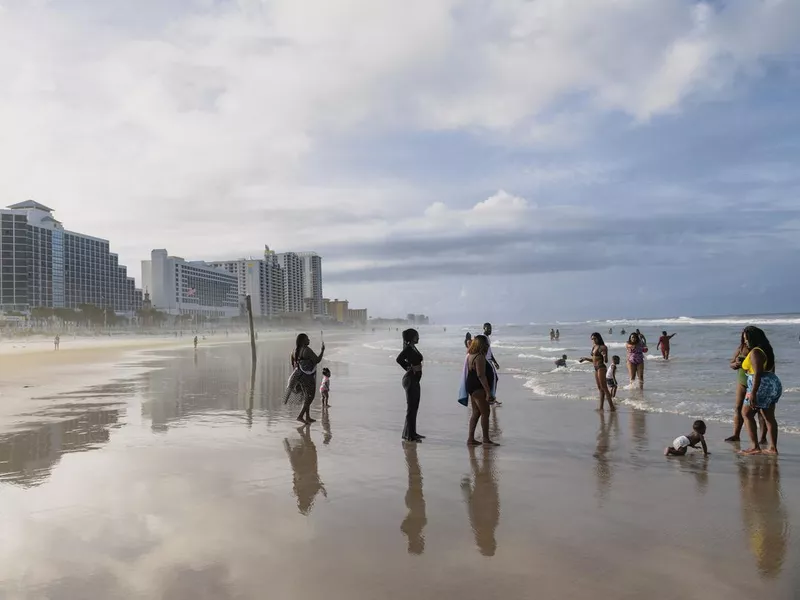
(56, 342)
(467, 340)
(480, 378)
(493, 364)
(195, 342)
(558, 335)
(599, 358)
(636, 351)
(764, 389)
(552, 334)
(663, 344)
(303, 380)
(410, 359)
(741, 390)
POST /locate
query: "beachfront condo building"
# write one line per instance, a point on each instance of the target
(261, 279)
(311, 271)
(292, 266)
(43, 265)
(193, 288)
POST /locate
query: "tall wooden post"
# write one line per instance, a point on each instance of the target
(249, 306)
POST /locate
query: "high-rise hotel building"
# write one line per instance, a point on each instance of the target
(311, 270)
(44, 265)
(261, 279)
(292, 266)
(195, 288)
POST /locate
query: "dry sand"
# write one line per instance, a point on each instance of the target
(199, 486)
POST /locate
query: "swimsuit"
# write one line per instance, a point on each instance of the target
(635, 355)
(473, 381)
(770, 388)
(741, 375)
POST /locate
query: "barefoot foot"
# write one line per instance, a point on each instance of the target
(750, 452)
(490, 443)
(733, 438)
(772, 451)
(309, 420)
(473, 443)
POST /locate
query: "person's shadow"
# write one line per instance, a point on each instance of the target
(603, 468)
(482, 498)
(303, 458)
(414, 523)
(764, 516)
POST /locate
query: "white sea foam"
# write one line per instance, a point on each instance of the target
(732, 320)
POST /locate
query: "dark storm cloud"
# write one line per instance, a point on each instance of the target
(655, 240)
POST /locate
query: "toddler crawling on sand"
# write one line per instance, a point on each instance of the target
(683, 442)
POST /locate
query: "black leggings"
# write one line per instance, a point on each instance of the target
(412, 388)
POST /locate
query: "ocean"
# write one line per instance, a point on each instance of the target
(696, 382)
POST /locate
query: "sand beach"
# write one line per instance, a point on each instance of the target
(182, 479)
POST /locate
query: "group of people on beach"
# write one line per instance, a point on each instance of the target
(757, 393)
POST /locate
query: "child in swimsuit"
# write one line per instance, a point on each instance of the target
(325, 388)
(684, 442)
(561, 362)
(611, 376)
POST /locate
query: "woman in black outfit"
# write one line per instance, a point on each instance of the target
(410, 359)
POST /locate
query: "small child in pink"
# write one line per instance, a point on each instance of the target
(325, 388)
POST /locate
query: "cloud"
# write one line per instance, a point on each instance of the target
(184, 122)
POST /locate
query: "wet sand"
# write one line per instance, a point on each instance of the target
(188, 482)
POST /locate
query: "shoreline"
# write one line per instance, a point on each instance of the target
(574, 503)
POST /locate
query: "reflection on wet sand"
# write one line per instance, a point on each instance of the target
(764, 516)
(482, 497)
(639, 429)
(26, 457)
(326, 427)
(603, 467)
(303, 458)
(696, 464)
(228, 382)
(416, 519)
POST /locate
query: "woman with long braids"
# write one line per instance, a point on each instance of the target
(764, 389)
(303, 380)
(410, 359)
(741, 391)
(599, 360)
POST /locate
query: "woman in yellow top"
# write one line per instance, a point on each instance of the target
(763, 388)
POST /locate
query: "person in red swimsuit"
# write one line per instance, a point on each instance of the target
(663, 343)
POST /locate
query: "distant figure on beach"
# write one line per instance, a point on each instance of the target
(410, 359)
(56, 342)
(598, 358)
(611, 376)
(558, 335)
(764, 389)
(561, 362)
(635, 350)
(325, 387)
(610, 331)
(195, 342)
(480, 380)
(552, 335)
(303, 380)
(467, 340)
(622, 332)
(683, 442)
(741, 391)
(493, 364)
(663, 344)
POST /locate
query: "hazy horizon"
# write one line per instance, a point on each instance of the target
(466, 160)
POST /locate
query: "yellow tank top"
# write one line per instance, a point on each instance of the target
(748, 366)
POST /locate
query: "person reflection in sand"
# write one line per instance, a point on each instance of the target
(603, 469)
(483, 500)
(416, 519)
(303, 458)
(766, 522)
(326, 426)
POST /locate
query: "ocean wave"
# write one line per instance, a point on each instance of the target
(732, 320)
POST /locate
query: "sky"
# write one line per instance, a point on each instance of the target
(505, 160)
